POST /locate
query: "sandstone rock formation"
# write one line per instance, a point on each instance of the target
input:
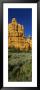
(16, 36)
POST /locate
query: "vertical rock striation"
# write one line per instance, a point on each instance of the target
(16, 36)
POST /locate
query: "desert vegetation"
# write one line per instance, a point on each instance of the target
(19, 65)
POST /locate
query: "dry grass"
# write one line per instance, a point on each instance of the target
(19, 66)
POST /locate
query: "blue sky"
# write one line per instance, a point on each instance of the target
(24, 17)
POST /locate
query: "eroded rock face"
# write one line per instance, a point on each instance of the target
(16, 36)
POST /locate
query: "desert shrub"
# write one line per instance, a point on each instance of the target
(20, 66)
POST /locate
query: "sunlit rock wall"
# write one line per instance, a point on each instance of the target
(16, 36)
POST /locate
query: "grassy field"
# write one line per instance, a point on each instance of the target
(19, 66)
